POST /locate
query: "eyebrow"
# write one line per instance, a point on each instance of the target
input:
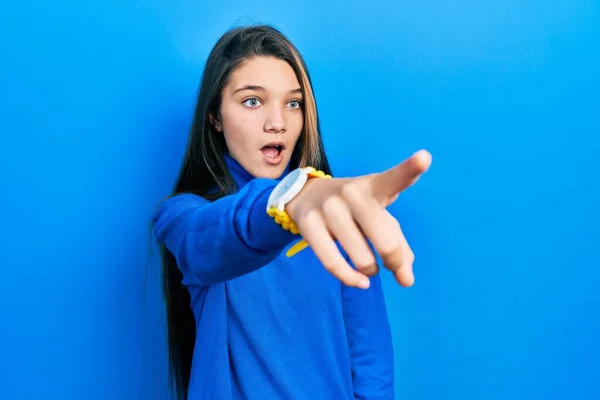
(261, 89)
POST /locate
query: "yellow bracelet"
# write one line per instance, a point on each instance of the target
(282, 218)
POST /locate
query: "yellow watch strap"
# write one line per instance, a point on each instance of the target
(282, 218)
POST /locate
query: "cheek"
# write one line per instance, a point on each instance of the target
(237, 126)
(296, 123)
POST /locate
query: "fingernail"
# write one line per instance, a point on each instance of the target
(364, 283)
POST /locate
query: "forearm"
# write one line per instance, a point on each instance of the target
(217, 241)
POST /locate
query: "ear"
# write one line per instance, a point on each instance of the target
(215, 122)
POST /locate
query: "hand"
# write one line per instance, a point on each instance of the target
(352, 210)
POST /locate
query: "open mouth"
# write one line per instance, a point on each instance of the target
(273, 150)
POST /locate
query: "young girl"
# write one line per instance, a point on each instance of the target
(269, 269)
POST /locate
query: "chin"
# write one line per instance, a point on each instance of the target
(271, 172)
(265, 169)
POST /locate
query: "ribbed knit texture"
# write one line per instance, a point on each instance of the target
(268, 326)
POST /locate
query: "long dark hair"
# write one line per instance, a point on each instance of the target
(204, 172)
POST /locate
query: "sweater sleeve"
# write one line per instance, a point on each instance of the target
(221, 240)
(369, 341)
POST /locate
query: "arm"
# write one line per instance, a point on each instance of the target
(369, 341)
(217, 241)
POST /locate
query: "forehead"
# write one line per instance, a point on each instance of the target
(271, 73)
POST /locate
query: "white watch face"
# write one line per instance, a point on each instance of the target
(284, 186)
(286, 183)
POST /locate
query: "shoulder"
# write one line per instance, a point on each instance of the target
(179, 202)
(182, 199)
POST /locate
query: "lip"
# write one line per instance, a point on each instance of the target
(274, 160)
(274, 144)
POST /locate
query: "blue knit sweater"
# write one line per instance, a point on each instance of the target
(268, 326)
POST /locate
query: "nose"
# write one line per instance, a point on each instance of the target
(275, 120)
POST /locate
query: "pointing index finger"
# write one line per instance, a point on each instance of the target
(388, 184)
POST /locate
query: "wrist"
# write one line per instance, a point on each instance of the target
(287, 191)
(292, 208)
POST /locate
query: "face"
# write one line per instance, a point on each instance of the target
(261, 115)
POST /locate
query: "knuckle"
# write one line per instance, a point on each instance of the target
(329, 261)
(311, 217)
(389, 249)
(331, 266)
(332, 205)
(365, 263)
(351, 191)
(369, 270)
(328, 266)
(335, 212)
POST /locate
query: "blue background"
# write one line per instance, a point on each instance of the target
(95, 102)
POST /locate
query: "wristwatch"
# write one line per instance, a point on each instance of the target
(289, 187)
(283, 193)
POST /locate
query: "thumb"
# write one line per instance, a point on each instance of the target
(387, 185)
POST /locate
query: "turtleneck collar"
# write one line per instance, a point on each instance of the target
(240, 176)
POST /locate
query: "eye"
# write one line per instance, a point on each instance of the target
(295, 104)
(251, 102)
